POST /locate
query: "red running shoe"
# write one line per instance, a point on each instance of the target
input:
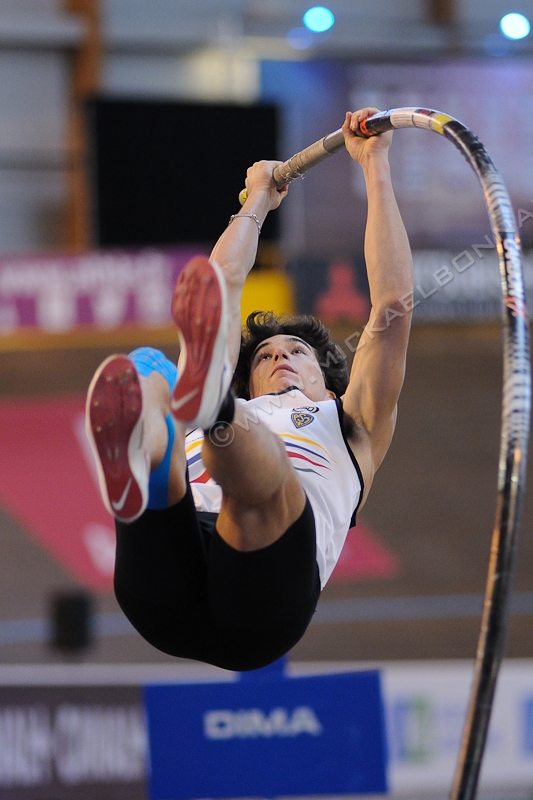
(114, 425)
(199, 308)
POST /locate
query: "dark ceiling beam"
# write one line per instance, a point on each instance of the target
(84, 83)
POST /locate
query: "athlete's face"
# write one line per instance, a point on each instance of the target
(283, 361)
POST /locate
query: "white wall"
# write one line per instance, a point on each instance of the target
(33, 88)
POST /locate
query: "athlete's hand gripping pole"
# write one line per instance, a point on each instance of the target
(298, 164)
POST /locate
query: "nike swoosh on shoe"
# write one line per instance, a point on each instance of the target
(120, 504)
(176, 404)
(115, 425)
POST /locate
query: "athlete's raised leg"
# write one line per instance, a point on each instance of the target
(262, 496)
(261, 493)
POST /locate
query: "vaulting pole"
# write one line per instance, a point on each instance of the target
(516, 406)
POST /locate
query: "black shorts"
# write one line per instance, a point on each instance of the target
(191, 595)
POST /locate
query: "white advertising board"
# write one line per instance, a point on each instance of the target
(426, 708)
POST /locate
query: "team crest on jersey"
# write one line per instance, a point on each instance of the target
(301, 418)
(311, 409)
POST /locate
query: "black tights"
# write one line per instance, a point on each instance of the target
(191, 595)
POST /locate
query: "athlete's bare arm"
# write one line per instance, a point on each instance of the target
(379, 363)
(236, 249)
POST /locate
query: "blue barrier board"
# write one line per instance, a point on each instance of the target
(270, 737)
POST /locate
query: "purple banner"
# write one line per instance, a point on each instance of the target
(57, 293)
(72, 742)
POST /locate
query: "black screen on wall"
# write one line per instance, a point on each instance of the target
(165, 172)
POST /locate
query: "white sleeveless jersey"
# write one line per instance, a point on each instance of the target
(313, 438)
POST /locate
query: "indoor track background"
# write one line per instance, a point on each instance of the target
(430, 516)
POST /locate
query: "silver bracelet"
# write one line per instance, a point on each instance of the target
(253, 216)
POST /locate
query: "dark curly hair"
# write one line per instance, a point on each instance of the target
(261, 325)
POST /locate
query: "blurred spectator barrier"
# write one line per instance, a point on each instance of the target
(106, 291)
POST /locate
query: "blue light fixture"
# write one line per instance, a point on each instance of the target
(515, 26)
(318, 19)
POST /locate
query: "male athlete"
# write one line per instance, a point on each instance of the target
(231, 512)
